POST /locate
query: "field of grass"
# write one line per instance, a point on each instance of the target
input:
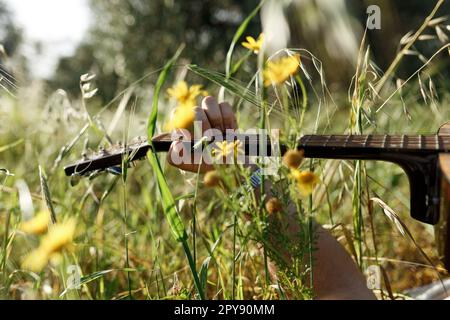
(130, 243)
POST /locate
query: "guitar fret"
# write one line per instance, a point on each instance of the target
(347, 140)
(328, 140)
(403, 142)
(366, 140)
(384, 141)
(420, 141)
(438, 141)
(307, 139)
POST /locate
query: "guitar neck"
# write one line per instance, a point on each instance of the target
(372, 147)
(342, 144)
(359, 147)
(388, 142)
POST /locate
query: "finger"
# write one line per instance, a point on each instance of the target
(228, 117)
(212, 110)
(176, 154)
(200, 115)
(176, 150)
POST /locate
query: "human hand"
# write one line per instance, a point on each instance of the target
(212, 115)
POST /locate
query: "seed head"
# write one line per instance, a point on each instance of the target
(273, 205)
(293, 158)
(212, 179)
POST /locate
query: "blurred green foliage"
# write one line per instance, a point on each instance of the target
(131, 37)
(330, 28)
(10, 34)
(10, 40)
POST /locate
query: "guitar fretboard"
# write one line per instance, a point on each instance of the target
(389, 142)
(368, 147)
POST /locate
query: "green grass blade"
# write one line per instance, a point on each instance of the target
(229, 84)
(240, 31)
(161, 80)
(169, 206)
(170, 210)
(205, 265)
(204, 273)
(94, 276)
(46, 194)
(11, 145)
(168, 202)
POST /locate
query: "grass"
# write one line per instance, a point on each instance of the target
(157, 233)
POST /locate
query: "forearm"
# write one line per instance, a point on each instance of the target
(335, 274)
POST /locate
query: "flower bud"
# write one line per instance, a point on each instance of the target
(293, 158)
(273, 205)
(212, 179)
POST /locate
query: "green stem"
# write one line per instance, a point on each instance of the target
(127, 261)
(310, 234)
(193, 268)
(233, 294)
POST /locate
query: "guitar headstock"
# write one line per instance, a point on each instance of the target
(109, 159)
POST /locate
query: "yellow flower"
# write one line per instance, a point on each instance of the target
(277, 72)
(222, 149)
(306, 181)
(254, 45)
(182, 118)
(186, 96)
(37, 225)
(36, 260)
(59, 237)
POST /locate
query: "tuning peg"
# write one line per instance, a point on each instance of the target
(74, 180)
(117, 171)
(103, 151)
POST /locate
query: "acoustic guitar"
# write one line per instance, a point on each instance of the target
(424, 158)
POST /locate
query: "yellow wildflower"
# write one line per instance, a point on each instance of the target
(186, 96)
(182, 118)
(59, 237)
(306, 181)
(36, 260)
(254, 45)
(222, 149)
(277, 72)
(37, 225)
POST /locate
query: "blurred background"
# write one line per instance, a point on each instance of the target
(53, 42)
(46, 45)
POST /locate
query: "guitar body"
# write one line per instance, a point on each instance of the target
(442, 228)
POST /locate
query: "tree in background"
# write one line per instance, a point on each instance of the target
(332, 30)
(10, 40)
(131, 37)
(10, 34)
